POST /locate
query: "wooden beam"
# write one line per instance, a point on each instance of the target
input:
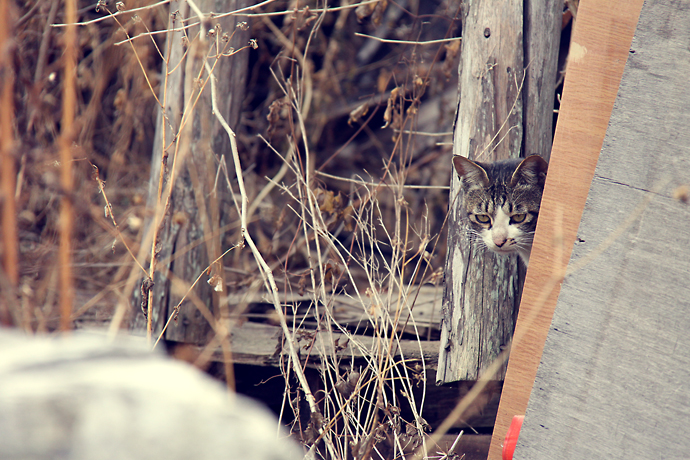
(542, 35)
(481, 288)
(420, 306)
(194, 214)
(599, 48)
(261, 345)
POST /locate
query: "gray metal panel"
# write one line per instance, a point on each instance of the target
(614, 380)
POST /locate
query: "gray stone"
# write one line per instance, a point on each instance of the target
(81, 397)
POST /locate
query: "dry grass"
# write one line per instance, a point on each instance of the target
(110, 116)
(318, 193)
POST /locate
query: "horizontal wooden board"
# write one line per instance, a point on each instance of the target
(417, 306)
(261, 344)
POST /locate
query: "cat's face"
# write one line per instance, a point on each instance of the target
(502, 201)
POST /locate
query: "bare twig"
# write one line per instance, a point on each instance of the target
(7, 161)
(177, 307)
(240, 12)
(45, 41)
(201, 17)
(266, 271)
(109, 213)
(69, 102)
(315, 10)
(409, 42)
(141, 65)
(377, 184)
(73, 21)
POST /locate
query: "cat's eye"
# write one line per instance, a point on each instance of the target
(518, 218)
(482, 218)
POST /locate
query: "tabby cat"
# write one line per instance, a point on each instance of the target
(502, 201)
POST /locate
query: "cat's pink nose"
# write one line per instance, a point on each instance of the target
(501, 242)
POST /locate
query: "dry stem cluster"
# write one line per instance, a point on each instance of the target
(317, 216)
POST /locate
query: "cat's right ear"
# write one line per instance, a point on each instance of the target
(532, 170)
(470, 173)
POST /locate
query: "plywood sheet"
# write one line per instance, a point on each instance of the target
(600, 45)
(614, 381)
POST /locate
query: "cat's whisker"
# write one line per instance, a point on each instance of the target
(473, 234)
(480, 243)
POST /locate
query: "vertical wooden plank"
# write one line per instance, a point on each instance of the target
(187, 242)
(613, 379)
(542, 38)
(480, 290)
(600, 44)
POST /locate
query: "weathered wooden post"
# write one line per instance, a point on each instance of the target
(507, 79)
(189, 236)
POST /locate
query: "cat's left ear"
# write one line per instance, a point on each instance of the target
(531, 170)
(472, 174)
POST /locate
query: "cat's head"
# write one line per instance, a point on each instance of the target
(502, 201)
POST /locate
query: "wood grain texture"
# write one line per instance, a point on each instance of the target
(481, 289)
(504, 111)
(599, 49)
(421, 302)
(189, 235)
(262, 344)
(542, 35)
(613, 381)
